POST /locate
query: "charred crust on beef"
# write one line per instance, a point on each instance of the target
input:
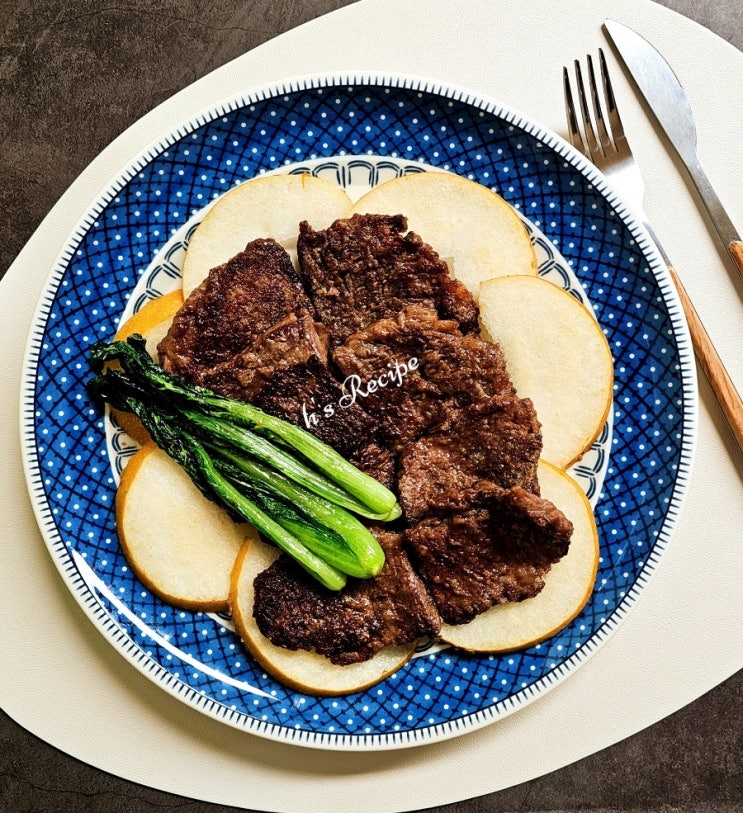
(497, 551)
(497, 441)
(234, 305)
(366, 268)
(249, 333)
(294, 611)
(453, 371)
(377, 461)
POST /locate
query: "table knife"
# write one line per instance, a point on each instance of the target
(670, 104)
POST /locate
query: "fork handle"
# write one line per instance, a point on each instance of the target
(710, 362)
(736, 251)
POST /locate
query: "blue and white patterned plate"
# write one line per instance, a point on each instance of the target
(126, 249)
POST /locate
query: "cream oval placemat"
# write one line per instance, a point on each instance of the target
(63, 682)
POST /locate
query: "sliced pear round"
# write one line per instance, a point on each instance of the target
(568, 585)
(302, 670)
(179, 544)
(557, 355)
(152, 321)
(270, 206)
(477, 232)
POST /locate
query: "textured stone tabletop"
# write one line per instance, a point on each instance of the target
(59, 110)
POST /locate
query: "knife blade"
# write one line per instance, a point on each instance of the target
(669, 102)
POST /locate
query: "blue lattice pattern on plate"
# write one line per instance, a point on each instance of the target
(439, 693)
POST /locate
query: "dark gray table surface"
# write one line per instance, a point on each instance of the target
(72, 50)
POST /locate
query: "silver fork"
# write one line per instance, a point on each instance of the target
(597, 131)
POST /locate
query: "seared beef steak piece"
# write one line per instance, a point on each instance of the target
(366, 268)
(233, 306)
(283, 372)
(292, 610)
(497, 441)
(452, 371)
(248, 332)
(498, 550)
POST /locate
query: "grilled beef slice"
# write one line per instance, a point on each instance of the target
(232, 307)
(248, 333)
(498, 550)
(452, 371)
(294, 611)
(496, 441)
(366, 268)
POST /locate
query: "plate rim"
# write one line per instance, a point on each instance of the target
(64, 558)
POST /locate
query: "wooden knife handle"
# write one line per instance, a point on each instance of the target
(722, 386)
(736, 251)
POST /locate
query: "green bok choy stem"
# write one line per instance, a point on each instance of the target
(363, 494)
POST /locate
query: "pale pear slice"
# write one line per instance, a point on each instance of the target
(568, 585)
(556, 355)
(302, 670)
(179, 544)
(475, 230)
(270, 206)
(152, 321)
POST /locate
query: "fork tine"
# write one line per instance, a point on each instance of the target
(615, 122)
(573, 127)
(590, 134)
(601, 132)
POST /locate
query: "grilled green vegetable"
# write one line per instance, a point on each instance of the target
(252, 471)
(324, 471)
(356, 546)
